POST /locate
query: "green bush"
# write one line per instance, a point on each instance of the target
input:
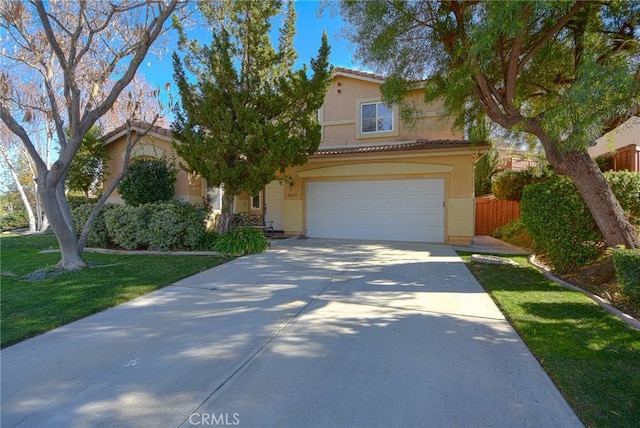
(627, 265)
(175, 225)
(126, 226)
(76, 201)
(605, 162)
(148, 181)
(509, 184)
(241, 241)
(208, 241)
(514, 232)
(560, 224)
(161, 226)
(14, 220)
(98, 236)
(626, 187)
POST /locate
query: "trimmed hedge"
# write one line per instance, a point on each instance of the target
(627, 265)
(148, 181)
(159, 226)
(561, 225)
(98, 236)
(14, 220)
(126, 226)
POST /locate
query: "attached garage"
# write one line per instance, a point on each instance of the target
(390, 210)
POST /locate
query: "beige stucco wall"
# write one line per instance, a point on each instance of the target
(339, 116)
(454, 166)
(625, 134)
(188, 187)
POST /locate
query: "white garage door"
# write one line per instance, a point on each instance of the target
(390, 210)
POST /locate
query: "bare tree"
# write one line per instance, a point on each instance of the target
(74, 50)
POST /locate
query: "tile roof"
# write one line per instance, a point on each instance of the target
(359, 73)
(137, 126)
(420, 144)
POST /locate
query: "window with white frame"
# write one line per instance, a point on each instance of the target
(256, 202)
(376, 117)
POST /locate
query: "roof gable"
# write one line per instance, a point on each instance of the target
(154, 131)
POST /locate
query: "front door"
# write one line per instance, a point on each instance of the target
(274, 201)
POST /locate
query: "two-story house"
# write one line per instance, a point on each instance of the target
(373, 177)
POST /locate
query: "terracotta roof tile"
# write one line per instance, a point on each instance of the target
(139, 126)
(359, 73)
(420, 144)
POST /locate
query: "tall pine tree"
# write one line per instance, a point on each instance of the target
(249, 114)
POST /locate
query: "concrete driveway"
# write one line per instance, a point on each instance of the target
(312, 333)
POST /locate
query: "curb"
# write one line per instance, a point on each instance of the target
(141, 252)
(626, 318)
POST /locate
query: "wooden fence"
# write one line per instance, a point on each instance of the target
(492, 213)
(628, 158)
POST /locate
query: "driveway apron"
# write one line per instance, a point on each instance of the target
(312, 333)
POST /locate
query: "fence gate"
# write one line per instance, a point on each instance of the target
(492, 213)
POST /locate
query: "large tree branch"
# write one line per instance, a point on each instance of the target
(532, 49)
(152, 33)
(17, 129)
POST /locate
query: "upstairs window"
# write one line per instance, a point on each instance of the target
(376, 117)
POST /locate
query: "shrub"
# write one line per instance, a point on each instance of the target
(76, 201)
(98, 236)
(159, 226)
(175, 225)
(514, 232)
(560, 224)
(626, 187)
(148, 181)
(627, 265)
(14, 220)
(126, 226)
(509, 184)
(241, 241)
(208, 241)
(605, 162)
(484, 169)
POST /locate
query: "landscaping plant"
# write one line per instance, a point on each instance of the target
(560, 224)
(241, 241)
(147, 181)
(627, 265)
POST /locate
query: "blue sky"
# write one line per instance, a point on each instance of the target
(309, 28)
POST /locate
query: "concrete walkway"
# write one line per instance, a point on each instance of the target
(312, 333)
(489, 244)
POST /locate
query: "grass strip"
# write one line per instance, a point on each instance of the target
(592, 356)
(31, 307)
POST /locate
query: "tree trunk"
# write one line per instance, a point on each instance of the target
(226, 211)
(597, 195)
(58, 213)
(25, 201)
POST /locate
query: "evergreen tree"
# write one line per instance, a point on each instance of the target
(88, 166)
(248, 115)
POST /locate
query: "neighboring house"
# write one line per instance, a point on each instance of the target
(622, 145)
(372, 178)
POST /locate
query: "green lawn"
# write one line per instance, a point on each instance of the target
(592, 356)
(31, 307)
